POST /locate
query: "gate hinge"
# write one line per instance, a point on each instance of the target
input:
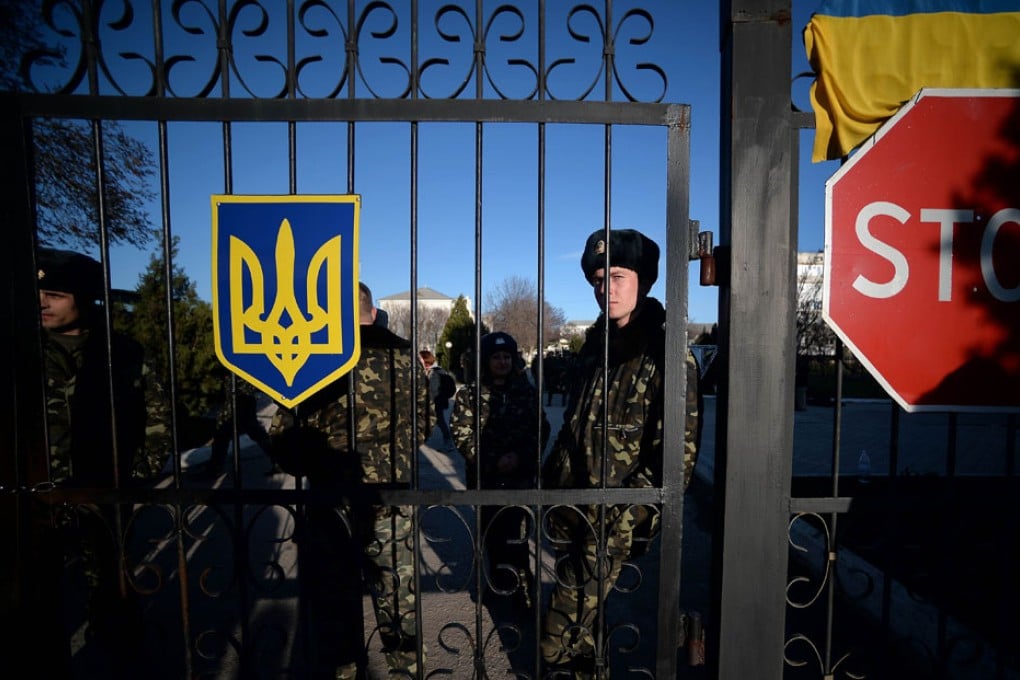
(700, 248)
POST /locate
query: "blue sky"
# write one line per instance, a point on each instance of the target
(685, 43)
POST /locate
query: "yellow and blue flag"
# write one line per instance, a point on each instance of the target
(285, 290)
(871, 56)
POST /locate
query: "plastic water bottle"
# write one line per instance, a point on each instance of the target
(863, 467)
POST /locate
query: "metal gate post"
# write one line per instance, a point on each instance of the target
(757, 340)
(23, 451)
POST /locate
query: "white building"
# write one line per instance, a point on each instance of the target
(427, 299)
(576, 327)
(810, 277)
(813, 335)
(433, 310)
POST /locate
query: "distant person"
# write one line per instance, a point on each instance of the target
(555, 375)
(442, 387)
(91, 444)
(506, 453)
(633, 394)
(344, 544)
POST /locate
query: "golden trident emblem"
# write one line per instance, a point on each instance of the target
(286, 332)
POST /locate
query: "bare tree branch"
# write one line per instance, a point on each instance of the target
(64, 165)
(513, 308)
(814, 337)
(431, 320)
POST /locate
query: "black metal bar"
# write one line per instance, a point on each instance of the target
(419, 391)
(674, 406)
(823, 504)
(24, 444)
(601, 552)
(540, 386)
(479, 527)
(368, 110)
(420, 381)
(371, 494)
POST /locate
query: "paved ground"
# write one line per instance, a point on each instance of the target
(926, 444)
(454, 625)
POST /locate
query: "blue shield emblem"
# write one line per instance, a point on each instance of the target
(285, 290)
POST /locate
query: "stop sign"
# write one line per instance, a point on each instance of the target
(922, 252)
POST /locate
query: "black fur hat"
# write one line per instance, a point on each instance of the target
(628, 248)
(497, 341)
(70, 272)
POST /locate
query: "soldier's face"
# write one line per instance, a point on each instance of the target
(59, 312)
(500, 364)
(621, 299)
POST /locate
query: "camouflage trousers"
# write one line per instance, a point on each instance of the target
(390, 576)
(571, 644)
(335, 585)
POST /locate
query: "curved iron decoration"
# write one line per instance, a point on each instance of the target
(509, 570)
(828, 559)
(450, 576)
(206, 52)
(145, 575)
(276, 578)
(822, 671)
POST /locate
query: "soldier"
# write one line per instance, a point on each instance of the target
(313, 440)
(633, 395)
(92, 445)
(77, 382)
(509, 444)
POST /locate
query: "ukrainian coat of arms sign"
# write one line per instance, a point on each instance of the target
(285, 290)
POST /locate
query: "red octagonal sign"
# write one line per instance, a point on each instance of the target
(922, 252)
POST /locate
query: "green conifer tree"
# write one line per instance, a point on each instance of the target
(459, 331)
(199, 373)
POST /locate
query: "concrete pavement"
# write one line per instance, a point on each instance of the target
(927, 443)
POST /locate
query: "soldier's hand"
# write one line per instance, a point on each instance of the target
(300, 451)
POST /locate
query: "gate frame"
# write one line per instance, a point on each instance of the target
(757, 300)
(757, 337)
(27, 441)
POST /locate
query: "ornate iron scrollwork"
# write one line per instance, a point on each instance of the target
(253, 50)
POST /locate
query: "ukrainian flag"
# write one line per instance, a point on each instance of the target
(871, 56)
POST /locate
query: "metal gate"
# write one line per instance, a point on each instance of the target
(815, 572)
(213, 564)
(833, 563)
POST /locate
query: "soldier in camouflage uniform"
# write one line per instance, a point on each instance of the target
(342, 544)
(634, 400)
(77, 383)
(86, 451)
(510, 443)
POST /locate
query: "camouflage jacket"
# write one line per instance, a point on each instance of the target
(635, 406)
(78, 410)
(314, 439)
(509, 424)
